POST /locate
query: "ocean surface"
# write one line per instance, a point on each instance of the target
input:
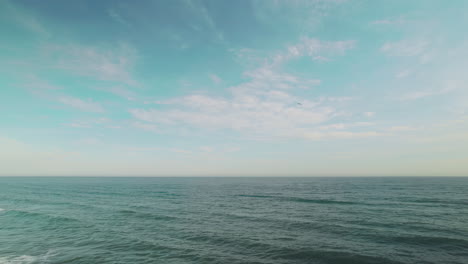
(233, 220)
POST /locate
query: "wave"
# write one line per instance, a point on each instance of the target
(428, 241)
(299, 199)
(55, 218)
(439, 201)
(26, 259)
(146, 215)
(18, 259)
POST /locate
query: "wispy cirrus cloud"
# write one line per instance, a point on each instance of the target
(83, 105)
(23, 18)
(117, 17)
(338, 135)
(123, 92)
(405, 48)
(389, 22)
(215, 79)
(205, 18)
(425, 93)
(114, 65)
(316, 49)
(298, 15)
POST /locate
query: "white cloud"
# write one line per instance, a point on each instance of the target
(341, 126)
(123, 92)
(369, 114)
(403, 74)
(36, 84)
(264, 105)
(146, 126)
(243, 112)
(114, 15)
(401, 128)
(405, 48)
(259, 107)
(88, 141)
(181, 151)
(339, 135)
(88, 123)
(301, 16)
(102, 64)
(205, 18)
(425, 93)
(318, 50)
(207, 149)
(215, 79)
(314, 48)
(23, 18)
(397, 21)
(87, 106)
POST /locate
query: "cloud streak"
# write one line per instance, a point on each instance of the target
(83, 105)
(114, 65)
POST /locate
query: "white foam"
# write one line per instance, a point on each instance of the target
(1, 209)
(25, 259)
(18, 260)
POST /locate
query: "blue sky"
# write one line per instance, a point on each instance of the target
(233, 88)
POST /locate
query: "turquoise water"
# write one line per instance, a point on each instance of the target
(234, 220)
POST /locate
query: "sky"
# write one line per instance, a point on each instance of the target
(233, 88)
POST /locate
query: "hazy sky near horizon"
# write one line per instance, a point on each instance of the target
(238, 88)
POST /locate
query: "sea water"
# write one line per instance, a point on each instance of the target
(233, 220)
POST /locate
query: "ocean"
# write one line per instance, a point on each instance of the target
(234, 220)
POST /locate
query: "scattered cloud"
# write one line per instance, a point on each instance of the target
(88, 141)
(181, 151)
(35, 84)
(215, 79)
(207, 21)
(207, 149)
(113, 65)
(87, 106)
(369, 114)
(403, 74)
(116, 16)
(316, 49)
(123, 92)
(339, 135)
(24, 18)
(90, 122)
(402, 128)
(146, 126)
(341, 126)
(389, 22)
(425, 93)
(405, 48)
(302, 16)
(265, 104)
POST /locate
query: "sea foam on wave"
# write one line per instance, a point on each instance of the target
(25, 259)
(18, 260)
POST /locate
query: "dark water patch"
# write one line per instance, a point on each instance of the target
(439, 242)
(146, 215)
(434, 202)
(256, 196)
(31, 216)
(299, 199)
(317, 201)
